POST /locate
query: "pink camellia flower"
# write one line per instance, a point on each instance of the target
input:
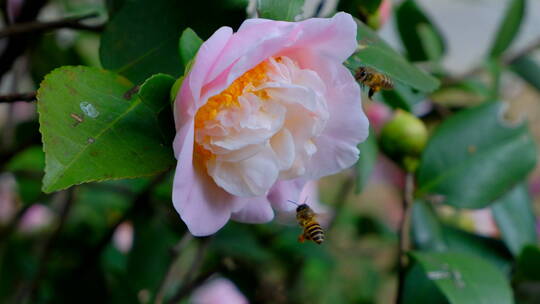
(262, 111)
(218, 291)
(14, 9)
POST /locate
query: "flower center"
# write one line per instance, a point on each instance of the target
(228, 99)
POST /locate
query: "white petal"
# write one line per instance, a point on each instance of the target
(283, 145)
(251, 177)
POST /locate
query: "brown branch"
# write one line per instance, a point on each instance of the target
(30, 96)
(403, 234)
(37, 26)
(506, 60)
(16, 45)
(175, 256)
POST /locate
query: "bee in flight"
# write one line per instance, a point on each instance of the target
(374, 80)
(307, 218)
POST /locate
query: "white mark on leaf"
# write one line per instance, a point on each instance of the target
(89, 109)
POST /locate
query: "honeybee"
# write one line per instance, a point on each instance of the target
(307, 218)
(374, 80)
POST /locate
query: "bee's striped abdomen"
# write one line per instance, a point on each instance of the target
(387, 83)
(315, 232)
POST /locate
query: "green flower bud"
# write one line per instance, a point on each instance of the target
(403, 139)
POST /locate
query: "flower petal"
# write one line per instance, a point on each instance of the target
(258, 39)
(256, 210)
(283, 145)
(286, 190)
(347, 125)
(246, 178)
(203, 206)
(207, 58)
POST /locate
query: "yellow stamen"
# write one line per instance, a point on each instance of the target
(228, 99)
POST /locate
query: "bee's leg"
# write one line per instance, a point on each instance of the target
(303, 237)
(371, 92)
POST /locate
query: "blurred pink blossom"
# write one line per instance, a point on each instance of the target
(388, 172)
(36, 218)
(385, 11)
(261, 112)
(378, 114)
(218, 291)
(484, 223)
(123, 237)
(534, 184)
(14, 9)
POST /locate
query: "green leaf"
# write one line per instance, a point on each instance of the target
(93, 129)
(285, 10)
(465, 279)
(490, 250)
(402, 97)
(188, 46)
(429, 234)
(368, 157)
(526, 279)
(113, 6)
(515, 218)
(419, 289)
(475, 156)
(27, 166)
(528, 69)
(509, 27)
(375, 53)
(155, 92)
(142, 40)
(528, 264)
(359, 8)
(238, 240)
(421, 38)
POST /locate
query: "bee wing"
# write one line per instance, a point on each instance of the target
(325, 218)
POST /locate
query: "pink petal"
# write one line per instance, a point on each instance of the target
(258, 39)
(218, 290)
(324, 35)
(347, 126)
(256, 210)
(286, 190)
(207, 57)
(204, 207)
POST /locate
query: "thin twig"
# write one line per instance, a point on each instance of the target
(16, 45)
(175, 256)
(506, 60)
(37, 26)
(30, 96)
(6, 231)
(188, 284)
(28, 290)
(403, 234)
